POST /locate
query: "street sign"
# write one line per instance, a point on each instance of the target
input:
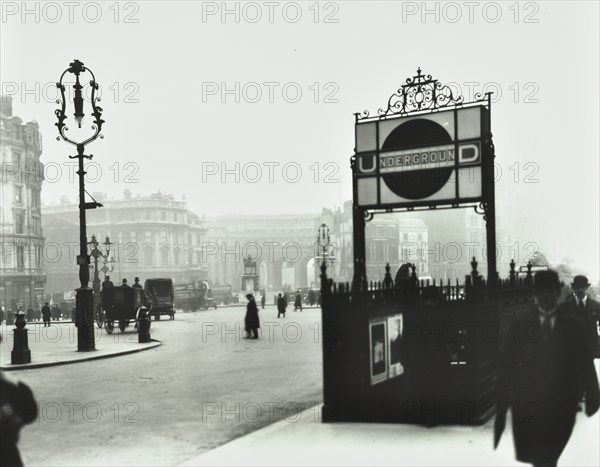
(533, 268)
(429, 159)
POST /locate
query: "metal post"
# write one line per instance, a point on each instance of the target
(84, 300)
(358, 233)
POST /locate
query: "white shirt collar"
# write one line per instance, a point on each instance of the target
(545, 314)
(578, 300)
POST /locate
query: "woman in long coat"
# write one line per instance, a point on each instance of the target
(251, 321)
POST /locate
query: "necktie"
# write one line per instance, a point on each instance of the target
(581, 305)
(547, 327)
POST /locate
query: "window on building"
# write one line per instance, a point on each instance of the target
(420, 237)
(132, 236)
(379, 251)
(176, 258)
(163, 216)
(19, 223)
(175, 217)
(17, 159)
(18, 194)
(38, 257)
(163, 236)
(393, 252)
(35, 198)
(164, 257)
(20, 256)
(147, 236)
(37, 226)
(148, 215)
(149, 257)
(199, 257)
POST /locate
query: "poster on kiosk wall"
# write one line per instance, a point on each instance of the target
(378, 351)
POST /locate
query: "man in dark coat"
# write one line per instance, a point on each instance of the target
(263, 300)
(1, 315)
(543, 368)
(251, 321)
(18, 408)
(107, 283)
(586, 309)
(298, 302)
(46, 314)
(281, 306)
(137, 284)
(124, 283)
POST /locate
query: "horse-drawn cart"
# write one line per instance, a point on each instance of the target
(120, 305)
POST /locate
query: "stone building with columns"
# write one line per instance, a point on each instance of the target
(22, 275)
(153, 236)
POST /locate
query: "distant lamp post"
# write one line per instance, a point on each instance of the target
(84, 318)
(108, 265)
(96, 253)
(323, 240)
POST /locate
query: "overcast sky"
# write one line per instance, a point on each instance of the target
(163, 67)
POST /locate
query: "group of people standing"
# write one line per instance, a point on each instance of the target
(107, 284)
(33, 314)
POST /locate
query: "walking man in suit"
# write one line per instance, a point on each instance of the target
(543, 368)
(46, 314)
(281, 306)
(581, 305)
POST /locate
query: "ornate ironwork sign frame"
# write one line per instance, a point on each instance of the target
(424, 97)
(424, 131)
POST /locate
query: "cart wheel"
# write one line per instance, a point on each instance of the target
(122, 325)
(99, 315)
(156, 316)
(109, 326)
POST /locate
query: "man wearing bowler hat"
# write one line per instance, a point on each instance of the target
(581, 305)
(543, 368)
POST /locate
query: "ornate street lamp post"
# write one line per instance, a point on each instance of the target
(108, 265)
(97, 253)
(323, 240)
(84, 318)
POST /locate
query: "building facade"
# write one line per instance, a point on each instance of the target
(283, 247)
(153, 236)
(22, 275)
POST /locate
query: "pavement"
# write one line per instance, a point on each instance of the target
(57, 345)
(204, 386)
(301, 439)
(206, 397)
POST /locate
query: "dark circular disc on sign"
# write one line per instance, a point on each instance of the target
(417, 184)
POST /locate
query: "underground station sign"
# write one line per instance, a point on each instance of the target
(422, 160)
